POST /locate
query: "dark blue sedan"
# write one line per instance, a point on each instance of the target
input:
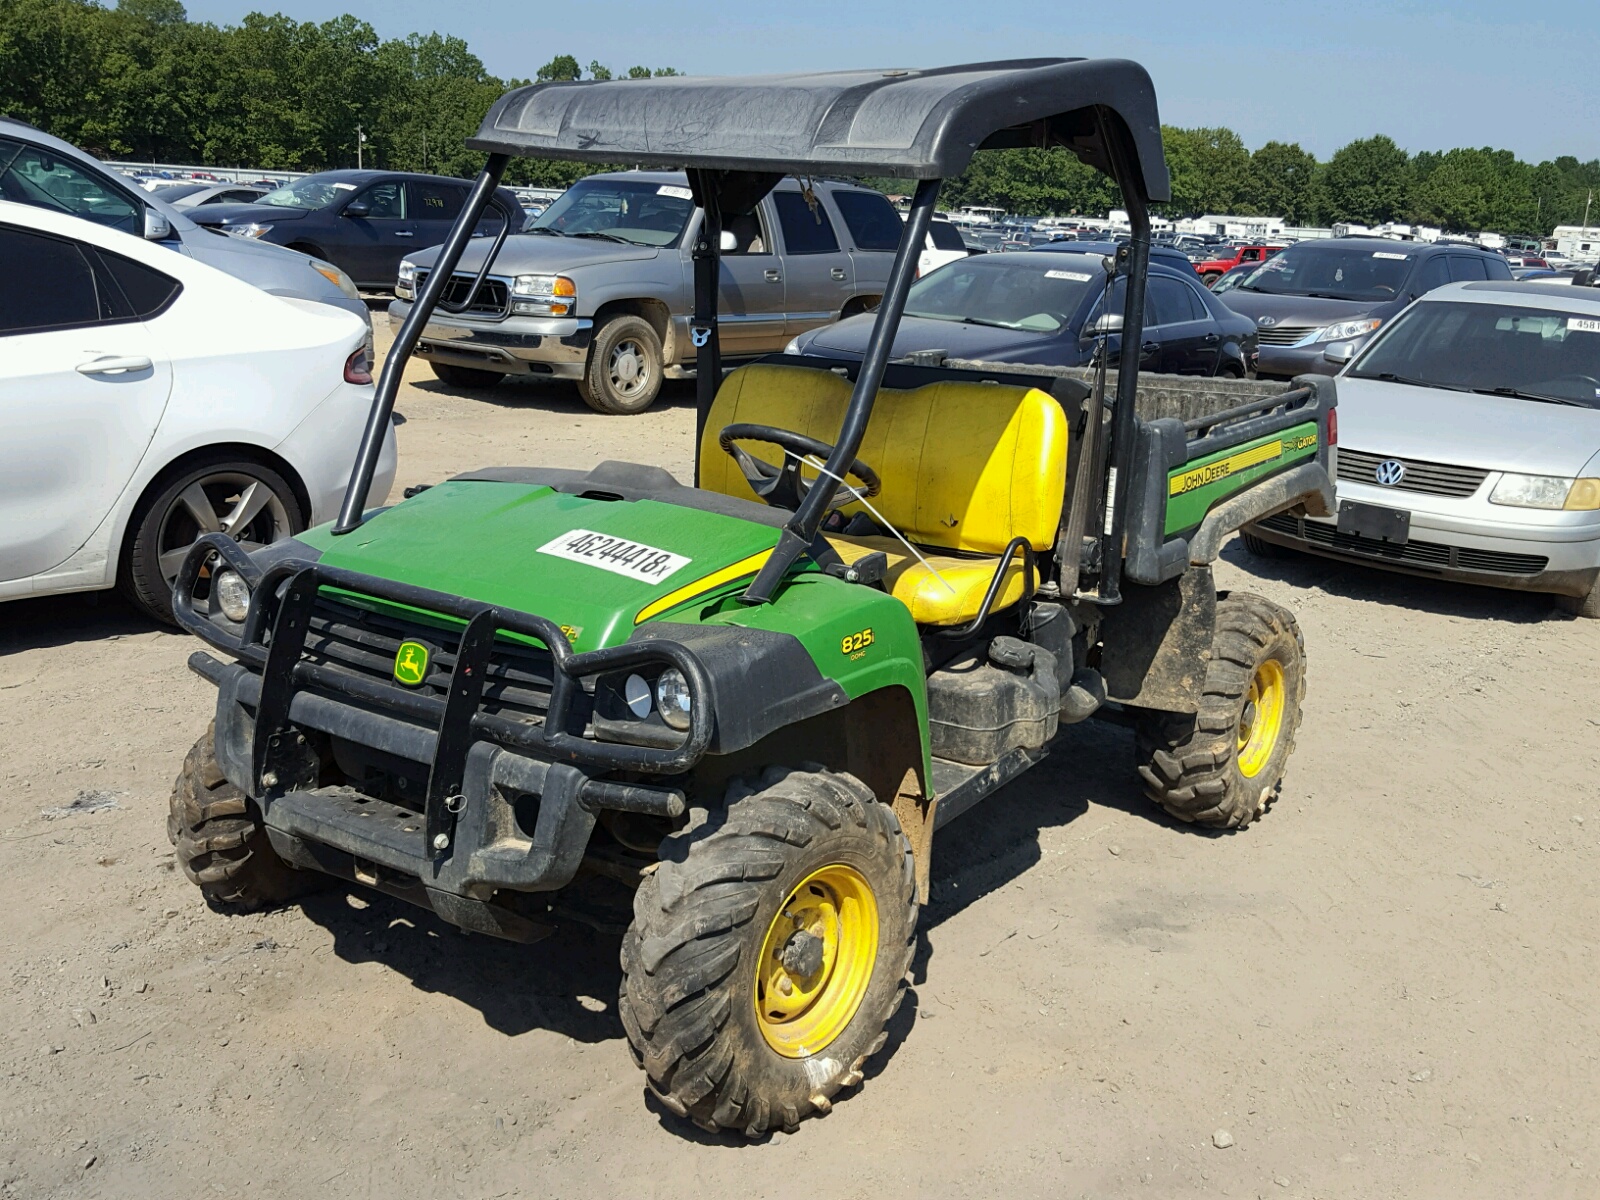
(364, 221)
(1050, 308)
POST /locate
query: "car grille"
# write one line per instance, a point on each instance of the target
(1430, 478)
(492, 299)
(1284, 335)
(350, 639)
(1420, 555)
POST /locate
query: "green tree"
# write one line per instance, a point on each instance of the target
(1368, 181)
(596, 71)
(561, 67)
(1283, 182)
(1210, 170)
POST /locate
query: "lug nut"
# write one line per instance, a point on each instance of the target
(785, 986)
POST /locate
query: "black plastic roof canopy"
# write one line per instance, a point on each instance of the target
(914, 124)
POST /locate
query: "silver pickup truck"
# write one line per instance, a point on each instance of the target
(599, 289)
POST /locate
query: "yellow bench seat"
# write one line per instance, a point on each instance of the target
(925, 593)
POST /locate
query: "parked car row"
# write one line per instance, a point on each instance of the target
(1446, 467)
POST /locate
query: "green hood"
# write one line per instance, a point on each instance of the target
(523, 547)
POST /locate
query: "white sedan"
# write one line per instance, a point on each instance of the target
(146, 398)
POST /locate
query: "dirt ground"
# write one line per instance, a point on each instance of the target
(1384, 989)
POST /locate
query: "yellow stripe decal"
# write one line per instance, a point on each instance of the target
(699, 587)
(1187, 481)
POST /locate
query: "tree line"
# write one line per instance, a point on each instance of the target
(141, 81)
(1369, 181)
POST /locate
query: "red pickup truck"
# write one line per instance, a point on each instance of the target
(1214, 269)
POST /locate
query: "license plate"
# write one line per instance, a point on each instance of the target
(1375, 522)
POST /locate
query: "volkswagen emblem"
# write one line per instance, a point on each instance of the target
(1266, 322)
(1389, 472)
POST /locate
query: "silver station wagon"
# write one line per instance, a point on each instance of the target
(1470, 445)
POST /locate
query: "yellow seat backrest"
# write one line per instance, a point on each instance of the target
(965, 465)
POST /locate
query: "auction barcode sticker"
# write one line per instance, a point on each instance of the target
(1386, 254)
(677, 193)
(1583, 325)
(618, 555)
(1079, 276)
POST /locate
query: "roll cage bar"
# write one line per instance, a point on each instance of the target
(737, 137)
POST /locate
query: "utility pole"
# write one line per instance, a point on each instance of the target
(1586, 205)
(361, 140)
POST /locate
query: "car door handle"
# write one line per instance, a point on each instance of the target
(837, 272)
(114, 365)
(773, 276)
(1212, 339)
(404, 233)
(1150, 347)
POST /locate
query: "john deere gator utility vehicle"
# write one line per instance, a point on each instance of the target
(755, 701)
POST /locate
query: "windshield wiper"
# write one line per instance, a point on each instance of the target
(610, 237)
(1517, 394)
(545, 229)
(1391, 377)
(990, 324)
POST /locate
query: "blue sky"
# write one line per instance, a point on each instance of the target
(1519, 76)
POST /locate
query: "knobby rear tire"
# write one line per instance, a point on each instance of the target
(1190, 763)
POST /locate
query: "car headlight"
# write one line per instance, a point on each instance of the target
(1546, 491)
(543, 295)
(252, 230)
(1348, 329)
(336, 277)
(405, 284)
(232, 595)
(793, 347)
(673, 698)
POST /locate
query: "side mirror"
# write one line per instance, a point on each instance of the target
(727, 244)
(156, 226)
(1104, 323)
(1339, 353)
(357, 208)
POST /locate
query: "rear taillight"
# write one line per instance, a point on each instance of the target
(1333, 427)
(358, 367)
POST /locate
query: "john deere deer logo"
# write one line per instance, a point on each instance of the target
(411, 663)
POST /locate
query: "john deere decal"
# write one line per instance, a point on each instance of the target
(411, 663)
(1198, 477)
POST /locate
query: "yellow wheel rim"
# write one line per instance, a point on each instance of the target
(1261, 720)
(816, 961)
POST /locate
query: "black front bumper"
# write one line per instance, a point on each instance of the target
(509, 801)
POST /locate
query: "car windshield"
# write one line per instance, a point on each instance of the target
(623, 210)
(311, 192)
(1495, 349)
(1336, 272)
(1036, 294)
(29, 175)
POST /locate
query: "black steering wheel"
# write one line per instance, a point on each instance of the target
(783, 486)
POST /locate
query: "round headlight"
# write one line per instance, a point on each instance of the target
(673, 698)
(637, 693)
(232, 595)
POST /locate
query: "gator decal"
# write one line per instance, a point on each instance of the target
(1196, 487)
